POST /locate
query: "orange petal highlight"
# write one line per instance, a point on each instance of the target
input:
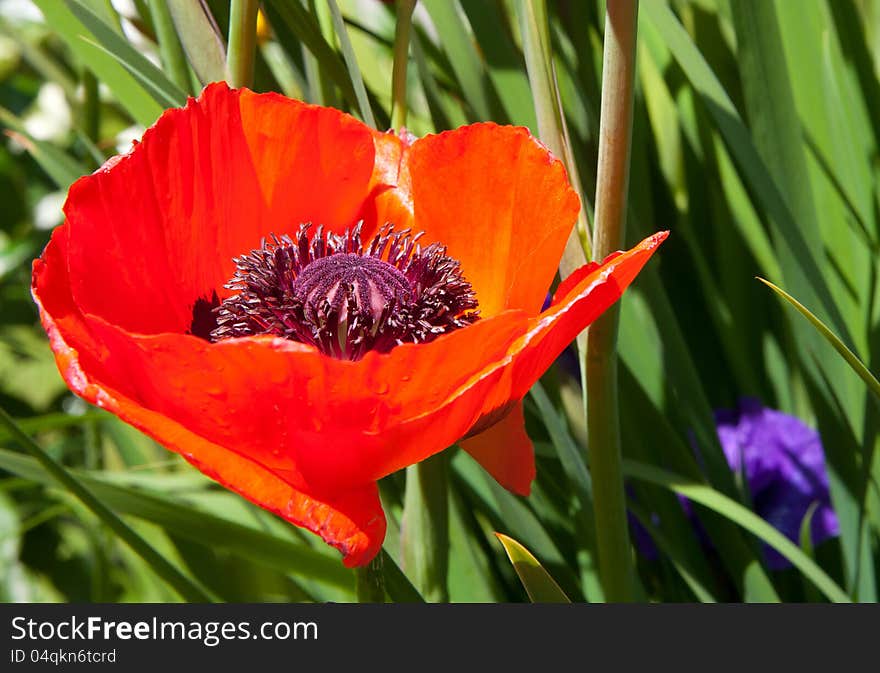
(502, 205)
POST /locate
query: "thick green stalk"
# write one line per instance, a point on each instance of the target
(603, 421)
(242, 42)
(424, 530)
(370, 581)
(401, 59)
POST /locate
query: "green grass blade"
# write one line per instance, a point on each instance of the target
(424, 538)
(665, 446)
(463, 56)
(504, 62)
(305, 27)
(538, 583)
(574, 466)
(861, 545)
(52, 421)
(674, 554)
(855, 364)
(59, 166)
(185, 586)
(163, 90)
(709, 497)
(354, 72)
(471, 577)
(397, 585)
(201, 38)
(551, 123)
(512, 514)
(444, 113)
(214, 531)
(170, 48)
(742, 148)
(132, 96)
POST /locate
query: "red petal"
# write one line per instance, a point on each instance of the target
(288, 407)
(342, 424)
(502, 205)
(506, 452)
(589, 297)
(350, 520)
(160, 229)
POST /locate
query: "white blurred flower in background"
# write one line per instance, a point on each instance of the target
(49, 117)
(20, 11)
(47, 211)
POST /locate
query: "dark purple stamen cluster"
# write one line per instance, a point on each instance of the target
(343, 298)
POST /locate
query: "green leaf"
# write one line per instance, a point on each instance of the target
(155, 82)
(673, 552)
(424, 537)
(131, 94)
(504, 510)
(540, 587)
(742, 147)
(170, 47)
(709, 497)
(176, 516)
(574, 466)
(354, 71)
(185, 586)
(462, 53)
(294, 17)
(27, 369)
(397, 585)
(201, 38)
(504, 62)
(855, 364)
(551, 121)
(63, 169)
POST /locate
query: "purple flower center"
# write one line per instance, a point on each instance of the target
(332, 283)
(344, 298)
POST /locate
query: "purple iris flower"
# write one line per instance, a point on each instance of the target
(783, 464)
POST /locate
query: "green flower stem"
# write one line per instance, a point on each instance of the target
(370, 581)
(401, 58)
(603, 422)
(170, 48)
(242, 42)
(424, 534)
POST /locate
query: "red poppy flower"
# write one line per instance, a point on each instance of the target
(183, 295)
